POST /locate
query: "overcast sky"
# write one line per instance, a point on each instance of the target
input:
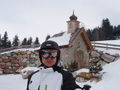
(38, 18)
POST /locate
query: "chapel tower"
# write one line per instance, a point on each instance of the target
(73, 24)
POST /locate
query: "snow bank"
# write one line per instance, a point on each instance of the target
(111, 78)
(12, 82)
(27, 71)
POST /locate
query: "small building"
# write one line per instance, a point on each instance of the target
(74, 44)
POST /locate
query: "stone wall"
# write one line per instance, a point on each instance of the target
(102, 58)
(13, 62)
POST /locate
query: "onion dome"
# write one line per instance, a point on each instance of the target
(73, 17)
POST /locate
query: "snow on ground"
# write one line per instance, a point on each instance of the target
(12, 82)
(29, 68)
(111, 51)
(117, 42)
(22, 49)
(110, 80)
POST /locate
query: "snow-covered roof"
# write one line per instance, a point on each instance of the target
(63, 39)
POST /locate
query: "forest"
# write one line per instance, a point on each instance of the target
(5, 42)
(105, 32)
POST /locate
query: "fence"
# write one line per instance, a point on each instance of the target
(106, 45)
(19, 47)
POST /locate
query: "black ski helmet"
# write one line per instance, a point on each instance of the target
(49, 45)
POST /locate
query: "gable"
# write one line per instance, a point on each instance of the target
(84, 36)
(86, 40)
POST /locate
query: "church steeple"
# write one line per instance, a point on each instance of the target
(73, 24)
(73, 17)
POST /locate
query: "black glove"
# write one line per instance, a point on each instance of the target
(86, 87)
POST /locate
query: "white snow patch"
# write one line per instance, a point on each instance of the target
(30, 68)
(12, 82)
(111, 51)
(62, 40)
(23, 49)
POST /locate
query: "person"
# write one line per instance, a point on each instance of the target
(50, 75)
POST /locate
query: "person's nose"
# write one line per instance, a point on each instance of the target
(50, 57)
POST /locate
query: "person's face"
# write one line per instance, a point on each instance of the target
(49, 57)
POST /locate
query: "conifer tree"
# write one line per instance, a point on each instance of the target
(9, 44)
(29, 42)
(117, 31)
(47, 37)
(36, 41)
(95, 66)
(5, 40)
(16, 41)
(89, 33)
(24, 42)
(108, 29)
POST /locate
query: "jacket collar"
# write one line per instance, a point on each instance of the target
(46, 69)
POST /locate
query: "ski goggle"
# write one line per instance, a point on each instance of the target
(49, 53)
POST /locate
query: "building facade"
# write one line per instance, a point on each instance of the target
(74, 44)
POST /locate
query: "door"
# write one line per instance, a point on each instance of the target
(79, 57)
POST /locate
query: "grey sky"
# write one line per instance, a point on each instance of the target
(41, 17)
